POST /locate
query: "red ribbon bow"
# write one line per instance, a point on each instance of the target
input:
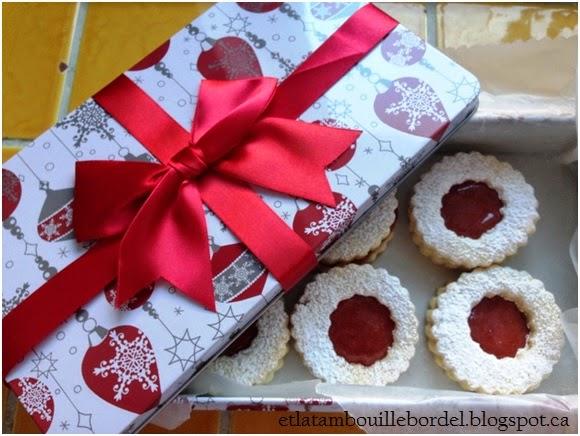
(157, 208)
(149, 218)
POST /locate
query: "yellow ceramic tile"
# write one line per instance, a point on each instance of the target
(8, 152)
(410, 15)
(34, 56)
(117, 35)
(475, 24)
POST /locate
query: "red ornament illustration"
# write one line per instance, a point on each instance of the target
(36, 399)
(345, 157)
(237, 274)
(152, 58)
(55, 222)
(11, 193)
(259, 7)
(134, 302)
(122, 370)
(229, 58)
(412, 106)
(320, 225)
(402, 47)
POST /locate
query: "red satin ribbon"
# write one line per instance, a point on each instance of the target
(149, 217)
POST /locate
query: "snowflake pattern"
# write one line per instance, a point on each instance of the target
(68, 215)
(49, 230)
(417, 102)
(132, 363)
(326, 10)
(339, 109)
(406, 48)
(35, 398)
(241, 273)
(237, 277)
(89, 118)
(334, 221)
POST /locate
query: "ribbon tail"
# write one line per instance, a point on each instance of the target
(168, 239)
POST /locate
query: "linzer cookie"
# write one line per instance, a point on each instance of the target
(472, 210)
(355, 325)
(369, 239)
(258, 352)
(495, 330)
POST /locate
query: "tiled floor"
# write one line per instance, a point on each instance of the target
(57, 55)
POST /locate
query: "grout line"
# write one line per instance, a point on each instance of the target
(432, 24)
(79, 26)
(224, 422)
(15, 142)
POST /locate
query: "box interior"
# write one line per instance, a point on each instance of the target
(547, 257)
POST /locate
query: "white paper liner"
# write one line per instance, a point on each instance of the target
(369, 401)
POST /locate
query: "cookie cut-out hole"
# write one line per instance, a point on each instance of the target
(243, 341)
(498, 326)
(361, 330)
(471, 208)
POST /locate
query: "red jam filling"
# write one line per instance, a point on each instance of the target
(471, 209)
(243, 341)
(498, 326)
(361, 330)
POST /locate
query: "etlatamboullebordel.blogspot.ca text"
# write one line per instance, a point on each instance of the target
(462, 418)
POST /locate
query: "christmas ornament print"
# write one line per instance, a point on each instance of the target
(331, 10)
(122, 370)
(320, 225)
(259, 7)
(237, 274)
(229, 58)
(11, 193)
(36, 399)
(134, 302)
(55, 221)
(402, 48)
(152, 58)
(412, 106)
(345, 157)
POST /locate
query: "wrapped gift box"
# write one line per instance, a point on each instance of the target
(108, 370)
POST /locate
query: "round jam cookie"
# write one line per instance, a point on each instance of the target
(369, 238)
(496, 331)
(259, 351)
(355, 325)
(472, 210)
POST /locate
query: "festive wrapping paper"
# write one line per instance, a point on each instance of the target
(107, 370)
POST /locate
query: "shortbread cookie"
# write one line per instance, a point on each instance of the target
(472, 210)
(258, 352)
(369, 238)
(355, 325)
(495, 330)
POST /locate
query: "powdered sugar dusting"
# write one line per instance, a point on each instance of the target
(464, 359)
(311, 321)
(445, 246)
(367, 236)
(257, 363)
